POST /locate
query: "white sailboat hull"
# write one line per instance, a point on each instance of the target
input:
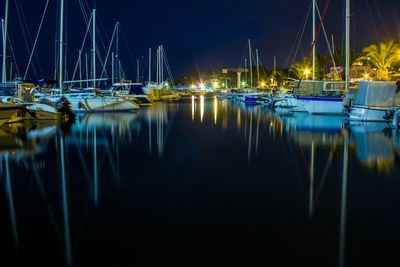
(101, 104)
(88, 103)
(365, 113)
(291, 103)
(322, 105)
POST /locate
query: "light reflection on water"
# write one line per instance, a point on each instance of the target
(90, 164)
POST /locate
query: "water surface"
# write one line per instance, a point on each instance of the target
(201, 182)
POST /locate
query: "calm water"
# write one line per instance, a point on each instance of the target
(200, 183)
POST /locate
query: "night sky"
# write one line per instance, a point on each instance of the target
(197, 34)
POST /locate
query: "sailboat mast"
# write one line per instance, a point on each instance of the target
(149, 65)
(258, 67)
(94, 48)
(61, 47)
(5, 35)
(314, 45)
(162, 63)
(137, 70)
(117, 71)
(80, 68)
(112, 68)
(158, 67)
(251, 65)
(347, 67)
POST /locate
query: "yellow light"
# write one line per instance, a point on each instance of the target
(201, 108)
(193, 86)
(263, 84)
(202, 86)
(215, 85)
(307, 72)
(366, 76)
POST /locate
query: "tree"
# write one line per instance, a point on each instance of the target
(383, 57)
(301, 70)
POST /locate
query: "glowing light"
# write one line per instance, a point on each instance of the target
(215, 85)
(243, 83)
(263, 84)
(193, 108)
(307, 72)
(202, 86)
(201, 108)
(215, 110)
(366, 76)
(193, 86)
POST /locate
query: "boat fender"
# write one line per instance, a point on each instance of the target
(398, 87)
(347, 104)
(64, 107)
(396, 119)
(389, 115)
(272, 104)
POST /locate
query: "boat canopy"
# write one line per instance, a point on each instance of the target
(309, 87)
(377, 94)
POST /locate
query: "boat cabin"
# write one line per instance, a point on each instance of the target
(315, 88)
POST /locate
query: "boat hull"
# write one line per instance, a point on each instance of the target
(364, 113)
(11, 113)
(322, 105)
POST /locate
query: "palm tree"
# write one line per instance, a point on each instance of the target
(301, 70)
(382, 56)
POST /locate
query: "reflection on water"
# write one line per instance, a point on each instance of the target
(174, 173)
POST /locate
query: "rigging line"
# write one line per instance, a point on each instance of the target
(108, 52)
(321, 23)
(168, 67)
(99, 35)
(84, 12)
(13, 55)
(380, 17)
(327, 40)
(301, 38)
(373, 21)
(23, 31)
(12, 48)
(37, 37)
(30, 40)
(244, 54)
(56, 47)
(300, 31)
(82, 46)
(262, 68)
(127, 46)
(85, 9)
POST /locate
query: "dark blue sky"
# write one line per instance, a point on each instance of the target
(204, 34)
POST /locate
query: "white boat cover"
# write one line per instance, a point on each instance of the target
(377, 94)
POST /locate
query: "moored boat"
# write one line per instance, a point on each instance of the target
(375, 101)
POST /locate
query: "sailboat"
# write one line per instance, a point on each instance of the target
(326, 97)
(158, 90)
(375, 101)
(10, 110)
(87, 100)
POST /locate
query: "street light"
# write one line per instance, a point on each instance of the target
(307, 72)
